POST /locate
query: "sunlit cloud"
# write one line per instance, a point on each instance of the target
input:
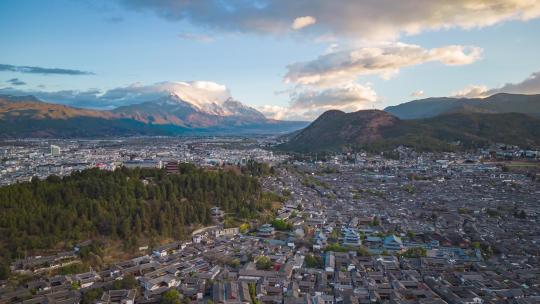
(198, 93)
(418, 93)
(472, 91)
(382, 19)
(302, 22)
(531, 85)
(385, 61)
(307, 103)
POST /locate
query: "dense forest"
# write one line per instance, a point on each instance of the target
(124, 204)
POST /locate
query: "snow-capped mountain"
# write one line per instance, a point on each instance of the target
(163, 108)
(174, 109)
(195, 104)
(228, 107)
(168, 115)
(237, 108)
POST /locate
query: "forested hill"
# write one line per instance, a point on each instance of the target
(124, 204)
(377, 131)
(495, 104)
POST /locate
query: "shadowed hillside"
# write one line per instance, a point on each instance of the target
(375, 131)
(498, 103)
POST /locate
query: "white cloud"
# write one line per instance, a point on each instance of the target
(531, 85)
(381, 19)
(454, 55)
(200, 93)
(275, 112)
(308, 104)
(472, 91)
(418, 93)
(385, 61)
(332, 48)
(305, 103)
(350, 97)
(302, 22)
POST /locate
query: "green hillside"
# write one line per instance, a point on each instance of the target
(125, 205)
(496, 104)
(379, 131)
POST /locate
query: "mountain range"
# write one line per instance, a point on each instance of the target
(376, 131)
(27, 116)
(428, 124)
(498, 103)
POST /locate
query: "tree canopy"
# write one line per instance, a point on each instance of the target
(124, 204)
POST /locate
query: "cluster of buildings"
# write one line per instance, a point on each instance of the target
(509, 152)
(21, 160)
(419, 228)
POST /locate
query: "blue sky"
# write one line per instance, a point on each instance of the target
(126, 42)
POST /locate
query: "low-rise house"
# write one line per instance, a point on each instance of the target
(227, 232)
(64, 297)
(86, 279)
(167, 281)
(393, 243)
(162, 251)
(231, 292)
(118, 297)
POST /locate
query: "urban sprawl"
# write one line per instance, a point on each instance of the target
(352, 228)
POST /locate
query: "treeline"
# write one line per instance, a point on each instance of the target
(124, 204)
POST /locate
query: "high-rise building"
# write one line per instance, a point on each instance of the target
(55, 150)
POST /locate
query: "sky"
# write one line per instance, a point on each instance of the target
(290, 59)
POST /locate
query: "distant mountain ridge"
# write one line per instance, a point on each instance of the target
(375, 130)
(498, 103)
(27, 116)
(173, 110)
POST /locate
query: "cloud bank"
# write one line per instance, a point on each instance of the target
(199, 93)
(381, 19)
(385, 61)
(531, 85)
(351, 97)
(330, 81)
(41, 70)
(308, 103)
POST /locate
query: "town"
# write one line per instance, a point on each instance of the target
(270, 152)
(350, 228)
